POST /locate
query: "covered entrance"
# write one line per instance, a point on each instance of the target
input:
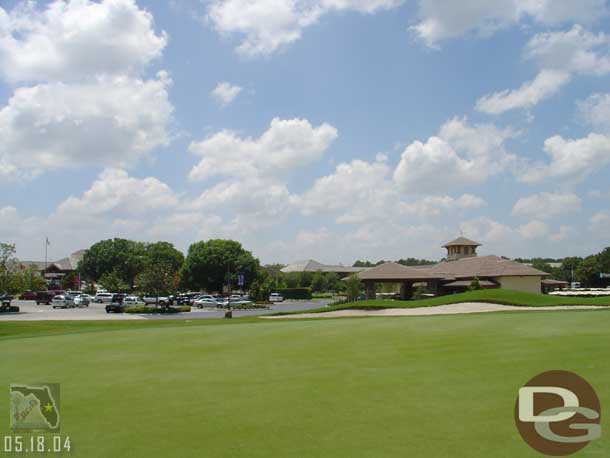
(392, 272)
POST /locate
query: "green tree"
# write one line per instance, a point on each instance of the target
(120, 257)
(164, 253)
(7, 266)
(292, 279)
(113, 282)
(157, 278)
(475, 284)
(588, 271)
(353, 287)
(318, 282)
(207, 263)
(333, 282)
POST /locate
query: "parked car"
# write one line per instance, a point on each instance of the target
(103, 297)
(82, 300)
(117, 298)
(237, 302)
(276, 297)
(63, 301)
(205, 302)
(133, 301)
(219, 301)
(45, 297)
(5, 300)
(28, 296)
(115, 307)
(161, 300)
(187, 298)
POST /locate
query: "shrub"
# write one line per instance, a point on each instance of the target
(295, 293)
(147, 309)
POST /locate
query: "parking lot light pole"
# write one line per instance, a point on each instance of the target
(229, 312)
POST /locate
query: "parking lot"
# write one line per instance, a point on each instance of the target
(29, 311)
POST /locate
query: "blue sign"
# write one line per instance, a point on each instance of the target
(240, 280)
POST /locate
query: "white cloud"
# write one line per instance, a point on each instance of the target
(460, 156)
(562, 234)
(109, 122)
(269, 25)
(73, 39)
(356, 191)
(486, 230)
(285, 146)
(436, 205)
(546, 205)
(533, 230)
(595, 110)
(599, 224)
(546, 84)
(559, 55)
(440, 20)
(570, 160)
(256, 199)
(115, 193)
(225, 93)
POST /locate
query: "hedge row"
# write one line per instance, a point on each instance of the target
(147, 309)
(295, 293)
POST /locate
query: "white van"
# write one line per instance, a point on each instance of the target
(103, 297)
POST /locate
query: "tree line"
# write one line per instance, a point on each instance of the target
(585, 270)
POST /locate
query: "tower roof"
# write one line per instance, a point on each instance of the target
(461, 241)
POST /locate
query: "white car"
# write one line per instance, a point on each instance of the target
(103, 297)
(133, 301)
(152, 300)
(63, 301)
(275, 297)
(82, 300)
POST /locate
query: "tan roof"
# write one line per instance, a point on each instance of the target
(394, 271)
(484, 266)
(461, 241)
(467, 283)
(310, 265)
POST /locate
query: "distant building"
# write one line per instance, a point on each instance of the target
(456, 274)
(313, 266)
(53, 272)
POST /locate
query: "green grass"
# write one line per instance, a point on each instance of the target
(493, 296)
(428, 387)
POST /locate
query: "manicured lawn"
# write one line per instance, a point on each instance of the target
(493, 296)
(376, 387)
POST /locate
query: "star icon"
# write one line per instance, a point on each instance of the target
(48, 407)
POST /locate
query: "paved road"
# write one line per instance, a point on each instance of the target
(32, 312)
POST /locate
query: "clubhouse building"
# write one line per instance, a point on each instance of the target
(456, 273)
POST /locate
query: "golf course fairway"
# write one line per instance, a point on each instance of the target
(422, 387)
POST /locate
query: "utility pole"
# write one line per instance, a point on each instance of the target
(229, 312)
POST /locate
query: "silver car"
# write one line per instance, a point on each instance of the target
(82, 300)
(63, 301)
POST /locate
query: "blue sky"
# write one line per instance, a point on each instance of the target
(327, 129)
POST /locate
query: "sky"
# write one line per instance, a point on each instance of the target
(333, 130)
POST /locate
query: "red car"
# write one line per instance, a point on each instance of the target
(28, 296)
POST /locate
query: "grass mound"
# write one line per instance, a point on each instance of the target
(492, 296)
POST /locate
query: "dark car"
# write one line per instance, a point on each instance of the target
(187, 298)
(28, 296)
(5, 300)
(116, 304)
(45, 297)
(115, 307)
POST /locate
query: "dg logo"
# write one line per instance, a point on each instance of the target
(558, 413)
